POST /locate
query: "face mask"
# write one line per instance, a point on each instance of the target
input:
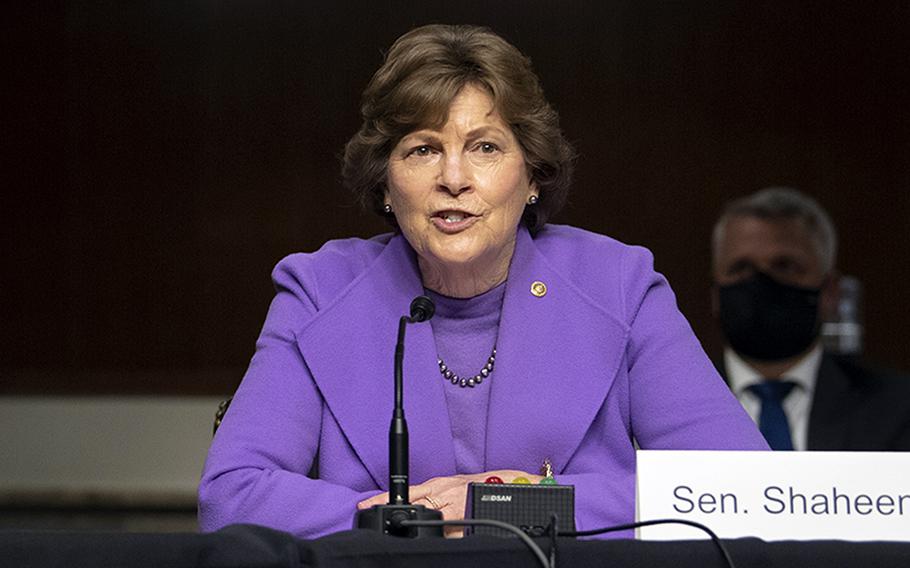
(766, 320)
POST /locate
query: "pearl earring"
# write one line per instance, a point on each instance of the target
(533, 200)
(387, 208)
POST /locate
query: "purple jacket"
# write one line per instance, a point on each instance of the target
(604, 357)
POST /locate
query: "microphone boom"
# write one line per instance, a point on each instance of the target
(387, 518)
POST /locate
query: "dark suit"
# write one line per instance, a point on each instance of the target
(857, 407)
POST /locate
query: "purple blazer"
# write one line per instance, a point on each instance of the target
(602, 360)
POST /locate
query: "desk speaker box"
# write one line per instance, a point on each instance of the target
(528, 507)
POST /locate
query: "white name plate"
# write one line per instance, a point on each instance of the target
(775, 495)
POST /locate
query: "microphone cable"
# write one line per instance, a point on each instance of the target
(553, 532)
(714, 537)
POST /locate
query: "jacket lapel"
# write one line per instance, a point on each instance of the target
(349, 349)
(557, 357)
(831, 405)
(828, 421)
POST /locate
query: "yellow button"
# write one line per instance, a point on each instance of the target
(539, 289)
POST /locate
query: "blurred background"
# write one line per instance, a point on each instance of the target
(161, 157)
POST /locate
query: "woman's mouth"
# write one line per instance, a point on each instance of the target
(452, 221)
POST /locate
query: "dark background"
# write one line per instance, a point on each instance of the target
(160, 157)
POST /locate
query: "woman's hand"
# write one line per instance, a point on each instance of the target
(448, 494)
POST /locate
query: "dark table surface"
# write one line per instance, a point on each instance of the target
(251, 546)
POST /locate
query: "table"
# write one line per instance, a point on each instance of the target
(260, 547)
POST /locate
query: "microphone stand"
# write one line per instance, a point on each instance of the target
(388, 518)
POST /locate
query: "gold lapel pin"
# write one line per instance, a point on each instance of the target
(539, 289)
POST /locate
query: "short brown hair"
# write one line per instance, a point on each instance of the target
(423, 72)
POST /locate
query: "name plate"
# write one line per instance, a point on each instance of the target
(855, 496)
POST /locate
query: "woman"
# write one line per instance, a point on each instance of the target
(571, 346)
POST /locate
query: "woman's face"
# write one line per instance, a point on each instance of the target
(458, 193)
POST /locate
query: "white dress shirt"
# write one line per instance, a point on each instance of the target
(798, 403)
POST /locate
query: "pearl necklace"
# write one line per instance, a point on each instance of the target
(471, 381)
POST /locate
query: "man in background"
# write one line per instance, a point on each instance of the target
(774, 276)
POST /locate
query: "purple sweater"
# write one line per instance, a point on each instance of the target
(601, 360)
(465, 331)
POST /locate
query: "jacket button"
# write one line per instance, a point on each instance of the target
(539, 289)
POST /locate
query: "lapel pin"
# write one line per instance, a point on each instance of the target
(539, 289)
(546, 469)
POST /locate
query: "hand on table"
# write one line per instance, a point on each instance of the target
(448, 494)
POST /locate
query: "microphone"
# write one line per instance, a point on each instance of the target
(388, 518)
(422, 309)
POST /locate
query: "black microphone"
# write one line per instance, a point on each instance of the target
(422, 309)
(387, 518)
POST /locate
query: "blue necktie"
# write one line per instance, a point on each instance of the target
(773, 421)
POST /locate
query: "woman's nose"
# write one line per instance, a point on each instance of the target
(454, 175)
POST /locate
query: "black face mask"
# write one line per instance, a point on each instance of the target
(766, 320)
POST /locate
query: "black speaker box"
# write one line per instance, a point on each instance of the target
(529, 507)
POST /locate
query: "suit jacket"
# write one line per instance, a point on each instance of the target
(856, 407)
(602, 359)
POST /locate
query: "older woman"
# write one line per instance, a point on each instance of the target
(549, 343)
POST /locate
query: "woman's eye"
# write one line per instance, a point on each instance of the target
(488, 148)
(423, 150)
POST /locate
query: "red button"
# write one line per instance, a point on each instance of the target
(493, 479)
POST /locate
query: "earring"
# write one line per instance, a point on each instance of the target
(533, 200)
(387, 208)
